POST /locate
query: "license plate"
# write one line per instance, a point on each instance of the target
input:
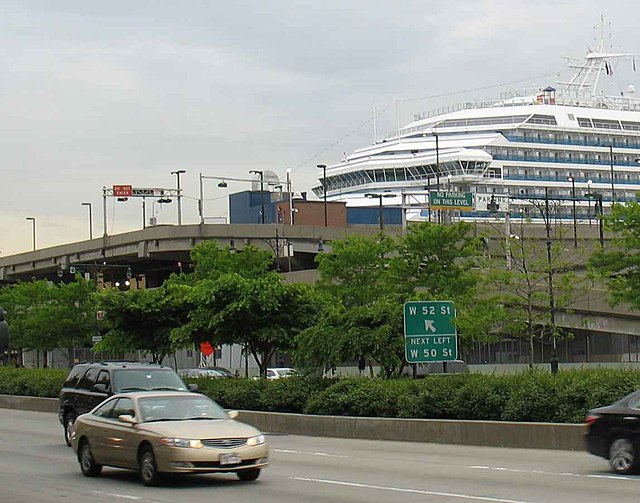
(229, 459)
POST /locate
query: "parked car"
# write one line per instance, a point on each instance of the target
(280, 372)
(215, 372)
(167, 432)
(613, 433)
(89, 384)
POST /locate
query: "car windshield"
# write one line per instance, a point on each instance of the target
(180, 408)
(147, 380)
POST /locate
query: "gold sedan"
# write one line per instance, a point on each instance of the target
(167, 432)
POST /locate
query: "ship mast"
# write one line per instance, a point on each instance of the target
(587, 73)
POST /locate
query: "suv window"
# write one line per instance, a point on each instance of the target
(105, 379)
(146, 379)
(74, 376)
(89, 379)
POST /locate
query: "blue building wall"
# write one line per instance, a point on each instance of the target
(245, 207)
(371, 215)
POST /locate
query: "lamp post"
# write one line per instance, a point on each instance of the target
(178, 173)
(290, 190)
(573, 196)
(589, 182)
(261, 173)
(33, 228)
(323, 167)
(613, 194)
(381, 214)
(437, 172)
(90, 219)
(598, 197)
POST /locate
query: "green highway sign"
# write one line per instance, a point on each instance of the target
(441, 200)
(430, 333)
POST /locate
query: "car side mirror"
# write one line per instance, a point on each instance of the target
(192, 387)
(127, 418)
(100, 388)
(233, 414)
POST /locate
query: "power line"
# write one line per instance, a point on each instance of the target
(406, 100)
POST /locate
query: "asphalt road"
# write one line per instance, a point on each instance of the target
(36, 467)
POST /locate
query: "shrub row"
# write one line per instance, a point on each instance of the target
(31, 382)
(528, 396)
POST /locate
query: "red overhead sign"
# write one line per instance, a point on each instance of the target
(122, 190)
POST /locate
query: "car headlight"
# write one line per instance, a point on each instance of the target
(181, 442)
(257, 440)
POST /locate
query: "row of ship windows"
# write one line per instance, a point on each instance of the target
(563, 156)
(534, 192)
(561, 138)
(580, 176)
(535, 119)
(402, 174)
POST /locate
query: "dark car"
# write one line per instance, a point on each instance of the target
(613, 433)
(89, 384)
(210, 372)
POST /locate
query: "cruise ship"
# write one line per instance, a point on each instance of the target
(568, 143)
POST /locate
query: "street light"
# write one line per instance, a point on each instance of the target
(33, 227)
(598, 197)
(290, 190)
(589, 182)
(573, 196)
(261, 173)
(323, 167)
(90, 219)
(613, 194)
(163, 200)
(379, 197)
(178, 173)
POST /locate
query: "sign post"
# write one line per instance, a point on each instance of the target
(430, 333)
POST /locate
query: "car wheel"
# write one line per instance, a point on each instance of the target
(622, 456)
(87, 464)
(248, 475)
(148, 468)
(69, 419)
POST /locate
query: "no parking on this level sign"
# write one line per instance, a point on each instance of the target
(430, 333)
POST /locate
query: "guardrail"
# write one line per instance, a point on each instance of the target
(440, 431)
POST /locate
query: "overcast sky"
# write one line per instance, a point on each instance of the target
(94, 94)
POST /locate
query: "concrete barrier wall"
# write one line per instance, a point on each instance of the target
(29, 403)
(440, 431)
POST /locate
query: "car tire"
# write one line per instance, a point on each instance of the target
(623, 455)
(87, 464)
(148, 467)
(248, 475)
(69, 419)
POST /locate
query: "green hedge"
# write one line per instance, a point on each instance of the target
(31, 382)
(528, 396)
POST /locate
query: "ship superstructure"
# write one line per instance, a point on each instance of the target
(566, 143)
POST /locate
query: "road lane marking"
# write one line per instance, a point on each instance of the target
(561, 474)
(412, 491)
(116, 495)
(325, 454)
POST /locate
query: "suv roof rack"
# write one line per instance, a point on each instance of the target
(118, 362)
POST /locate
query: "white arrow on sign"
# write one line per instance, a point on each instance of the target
(428, 325)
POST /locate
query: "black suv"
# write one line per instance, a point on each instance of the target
(89, 383)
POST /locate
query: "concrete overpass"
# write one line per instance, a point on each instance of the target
(153, 253)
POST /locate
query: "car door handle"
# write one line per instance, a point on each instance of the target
(631, 418)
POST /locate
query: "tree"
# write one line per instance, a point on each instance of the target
(538, 283)
(142, 320)
(235, 299)
(45, 316)
(619, 264)
(371, 278)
